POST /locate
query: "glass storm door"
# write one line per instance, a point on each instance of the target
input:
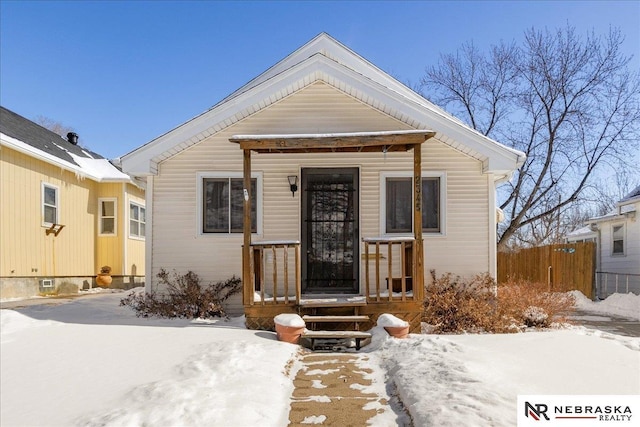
(330, 231)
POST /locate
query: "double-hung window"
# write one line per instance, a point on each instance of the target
(398, 204)
(50, 204)
(107, 209)
(618, 239)
(222, 204)
(137, 220)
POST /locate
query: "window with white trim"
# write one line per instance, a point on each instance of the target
(50, 202)
(398, 204)
(107, 221)
(618, 239)
(137, 220)
(222, 203)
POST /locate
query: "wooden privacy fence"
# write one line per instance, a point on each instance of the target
(564, 267)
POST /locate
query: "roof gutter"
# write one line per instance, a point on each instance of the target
(19, 146)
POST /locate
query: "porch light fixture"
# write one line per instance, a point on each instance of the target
(293, 184)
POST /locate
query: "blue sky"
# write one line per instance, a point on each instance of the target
(122, 73)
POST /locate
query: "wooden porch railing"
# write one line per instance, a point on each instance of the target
(276, 277)
(275, 273)
(395, 282)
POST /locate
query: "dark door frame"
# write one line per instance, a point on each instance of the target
(305, 231)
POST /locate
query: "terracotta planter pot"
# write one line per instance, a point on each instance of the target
(103, 280)
(397, 331)
(289, 334)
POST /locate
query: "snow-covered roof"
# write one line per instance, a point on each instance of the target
(581, 232)
(632, 197)
(623, 207)
(330, 135)
(325, 59)
(29, 138)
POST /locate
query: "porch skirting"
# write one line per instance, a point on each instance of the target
(261, 316)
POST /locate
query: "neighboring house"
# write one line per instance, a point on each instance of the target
(617, 238)
(64, 213)
(323, 150)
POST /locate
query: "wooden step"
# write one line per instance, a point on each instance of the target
(331, 304)
(327, 335)
(335, 319)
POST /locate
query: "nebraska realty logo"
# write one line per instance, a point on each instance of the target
(582, 411)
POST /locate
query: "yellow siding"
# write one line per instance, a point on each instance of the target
(178, 244)
(135, 248)
(109, 248)
(25, 249)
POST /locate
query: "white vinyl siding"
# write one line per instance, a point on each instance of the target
(107, 217)
(50, 204)
(178, 243)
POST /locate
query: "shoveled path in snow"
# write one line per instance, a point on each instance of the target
(338, 389)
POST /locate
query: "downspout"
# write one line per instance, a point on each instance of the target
(493, 223)
(148, 247)
(594, 226)
(125, 230)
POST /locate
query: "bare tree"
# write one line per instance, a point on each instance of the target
(570, 103)
(54, 125)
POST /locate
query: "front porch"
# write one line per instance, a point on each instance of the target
(274, 285)
(388, 272)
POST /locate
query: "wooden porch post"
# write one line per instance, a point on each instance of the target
(247, 279)
(418, 265)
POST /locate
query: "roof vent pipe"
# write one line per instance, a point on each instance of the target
(72, 137)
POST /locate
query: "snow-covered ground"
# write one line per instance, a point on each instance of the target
(91, 362)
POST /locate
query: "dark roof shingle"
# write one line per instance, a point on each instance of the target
(22, 129)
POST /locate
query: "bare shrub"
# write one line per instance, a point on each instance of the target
(185, 297)
(454, 305)
(517, 299)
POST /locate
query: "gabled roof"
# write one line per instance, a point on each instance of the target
(325, 59)
(633, 196)
(30, 138)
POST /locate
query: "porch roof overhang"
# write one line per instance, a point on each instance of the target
(382, 141)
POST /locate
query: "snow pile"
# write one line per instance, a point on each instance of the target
(474, 380)
(624, 305)
(209, 388)
(290, 320)
(535, 316)
(389, 320)
(12, 322)
(91, 362)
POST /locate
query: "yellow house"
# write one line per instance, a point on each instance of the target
(65, 212)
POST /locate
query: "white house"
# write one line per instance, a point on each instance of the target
(324, 149)
(617, 238)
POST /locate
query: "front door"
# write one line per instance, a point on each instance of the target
(330, 231)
